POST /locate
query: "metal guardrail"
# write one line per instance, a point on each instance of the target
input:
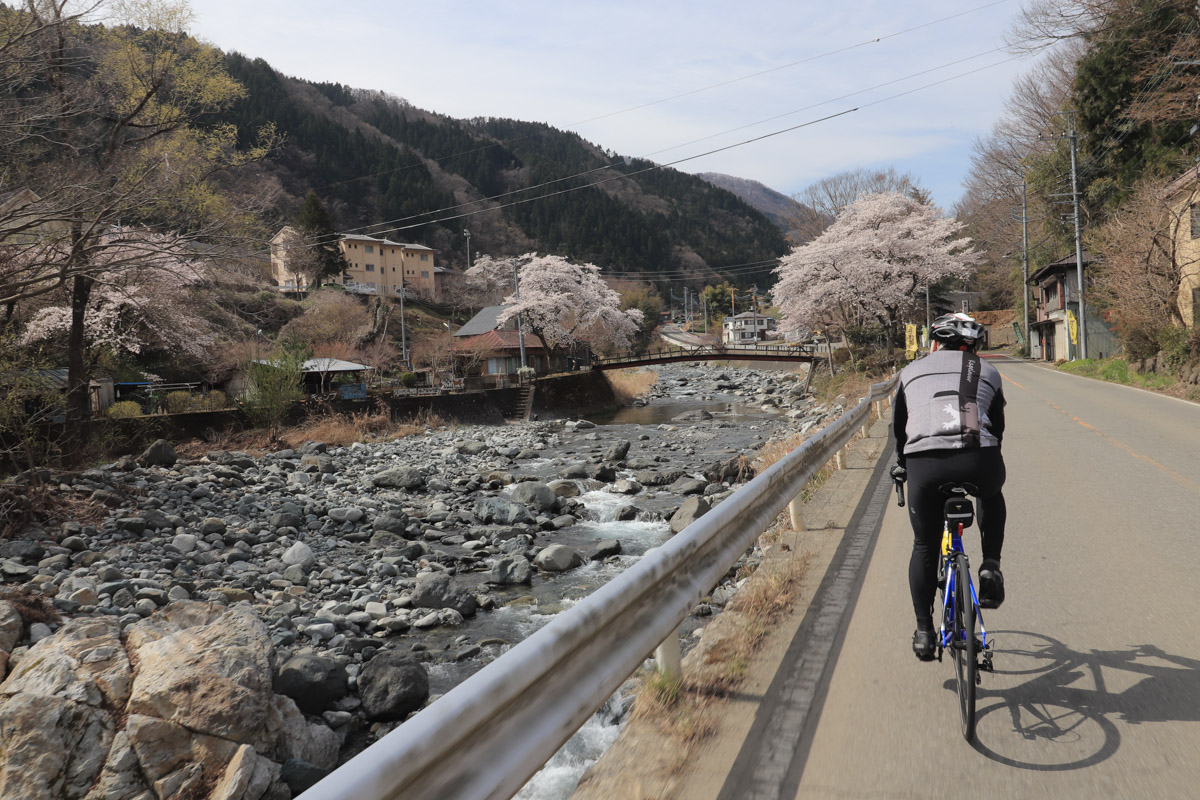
(489, 735)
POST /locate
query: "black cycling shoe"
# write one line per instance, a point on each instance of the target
(991, 585)
(924, 643)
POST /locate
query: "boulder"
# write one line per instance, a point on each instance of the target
(314, 682)
(501, 511)
(11, 627)
(618, 451)
(159, 454)
(399, 478)
(605, 548)
(535, 495)
(558, 558)
(626, 486)
(692, 509)
(697, 415)
(511, 569)
(392, 686)
(299, 554)
(437, 590)
(564, 488)
(688, 485)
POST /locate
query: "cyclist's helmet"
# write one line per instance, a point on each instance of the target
(956, 330)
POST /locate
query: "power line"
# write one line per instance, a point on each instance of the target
(689, 93)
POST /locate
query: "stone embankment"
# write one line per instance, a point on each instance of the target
(236, 626)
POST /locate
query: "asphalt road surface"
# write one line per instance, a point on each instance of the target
(1097, 685)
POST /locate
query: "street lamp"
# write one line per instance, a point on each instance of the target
(467, 234)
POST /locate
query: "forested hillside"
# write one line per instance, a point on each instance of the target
(409, 174)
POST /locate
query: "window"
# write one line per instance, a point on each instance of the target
(424, 273)
(368, 249)
(370, 267)
(424, 256)
(1195, 215)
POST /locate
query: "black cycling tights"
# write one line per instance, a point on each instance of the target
(982, 466)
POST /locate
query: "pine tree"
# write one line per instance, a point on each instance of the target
(316, 225)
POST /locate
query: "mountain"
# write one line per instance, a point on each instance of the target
(788, 215)
(384, 167)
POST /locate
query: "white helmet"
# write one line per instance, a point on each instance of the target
(956, 330)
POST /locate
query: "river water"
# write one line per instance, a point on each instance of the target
(735, 428)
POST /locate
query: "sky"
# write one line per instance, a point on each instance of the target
(668, 79)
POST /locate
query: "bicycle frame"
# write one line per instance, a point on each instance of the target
(951, 596)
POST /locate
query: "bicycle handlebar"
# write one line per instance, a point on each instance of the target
(900, 493)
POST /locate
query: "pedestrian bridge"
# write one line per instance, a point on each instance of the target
(803, 353)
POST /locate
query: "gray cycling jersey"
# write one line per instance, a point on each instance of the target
(949, 400)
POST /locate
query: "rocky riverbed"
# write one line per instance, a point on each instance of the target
(237, 626)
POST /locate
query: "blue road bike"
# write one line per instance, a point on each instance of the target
(962, 631)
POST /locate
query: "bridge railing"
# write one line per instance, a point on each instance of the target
(489, 735)
(710, 351)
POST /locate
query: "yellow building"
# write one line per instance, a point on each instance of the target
(1183, 198)
(285, 244)
(383, 267)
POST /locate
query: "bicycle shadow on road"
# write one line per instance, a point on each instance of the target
(1048, 707)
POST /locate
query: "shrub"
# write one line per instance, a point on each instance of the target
(213, 401)
(124, 409)
(408, 379)
(178, 402)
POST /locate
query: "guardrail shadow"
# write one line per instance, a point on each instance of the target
(1063, 715)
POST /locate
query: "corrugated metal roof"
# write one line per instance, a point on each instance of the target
(486, 320)
(502, 340)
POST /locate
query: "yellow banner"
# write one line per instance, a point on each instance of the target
(1072, 327)
(910, 340)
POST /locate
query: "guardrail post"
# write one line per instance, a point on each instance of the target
(879, 409)
(795, 508)
(668, 658)
(837, 459)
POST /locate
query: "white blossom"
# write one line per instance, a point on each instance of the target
(874, 261)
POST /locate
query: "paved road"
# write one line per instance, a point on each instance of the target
(1097, 689)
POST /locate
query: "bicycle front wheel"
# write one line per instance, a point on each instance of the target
(963, 645)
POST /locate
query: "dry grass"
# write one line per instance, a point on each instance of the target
(688, 709)
(252, 442)
(630, 384)
(342, 430)
(31, 606)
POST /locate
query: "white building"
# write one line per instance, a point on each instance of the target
(746, 328)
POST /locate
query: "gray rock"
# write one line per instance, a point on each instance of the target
(392, 686)
(315, 683)
(692, 509)
(564, 488)
(300, 555)
(437, 590)
(300, 776)
(11, 626)
(501, 511)
(535, 495)
(698, 415)
(159, 454)
(348, 514)
(185, 542)
(558, 558)
(618, 451)
(626, 486)
(687, 485)
(399, 478)
(511, 569)
(605, 548)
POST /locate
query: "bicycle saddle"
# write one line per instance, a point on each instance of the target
(959, 489)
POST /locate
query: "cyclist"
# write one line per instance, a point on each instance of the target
(948, 420)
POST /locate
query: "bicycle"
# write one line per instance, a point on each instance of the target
(962, 630)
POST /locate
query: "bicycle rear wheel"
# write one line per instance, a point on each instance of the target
(963, 645)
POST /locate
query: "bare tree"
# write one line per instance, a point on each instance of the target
(1143, 266)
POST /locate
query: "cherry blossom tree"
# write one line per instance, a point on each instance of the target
(873, 263)
(561, 303)
(145, 305)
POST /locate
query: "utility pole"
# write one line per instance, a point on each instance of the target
(467, 234)
(403, 333)
(1078, 244)
(517, 297)
(1025, 259)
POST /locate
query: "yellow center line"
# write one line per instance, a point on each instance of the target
(1170, 473)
